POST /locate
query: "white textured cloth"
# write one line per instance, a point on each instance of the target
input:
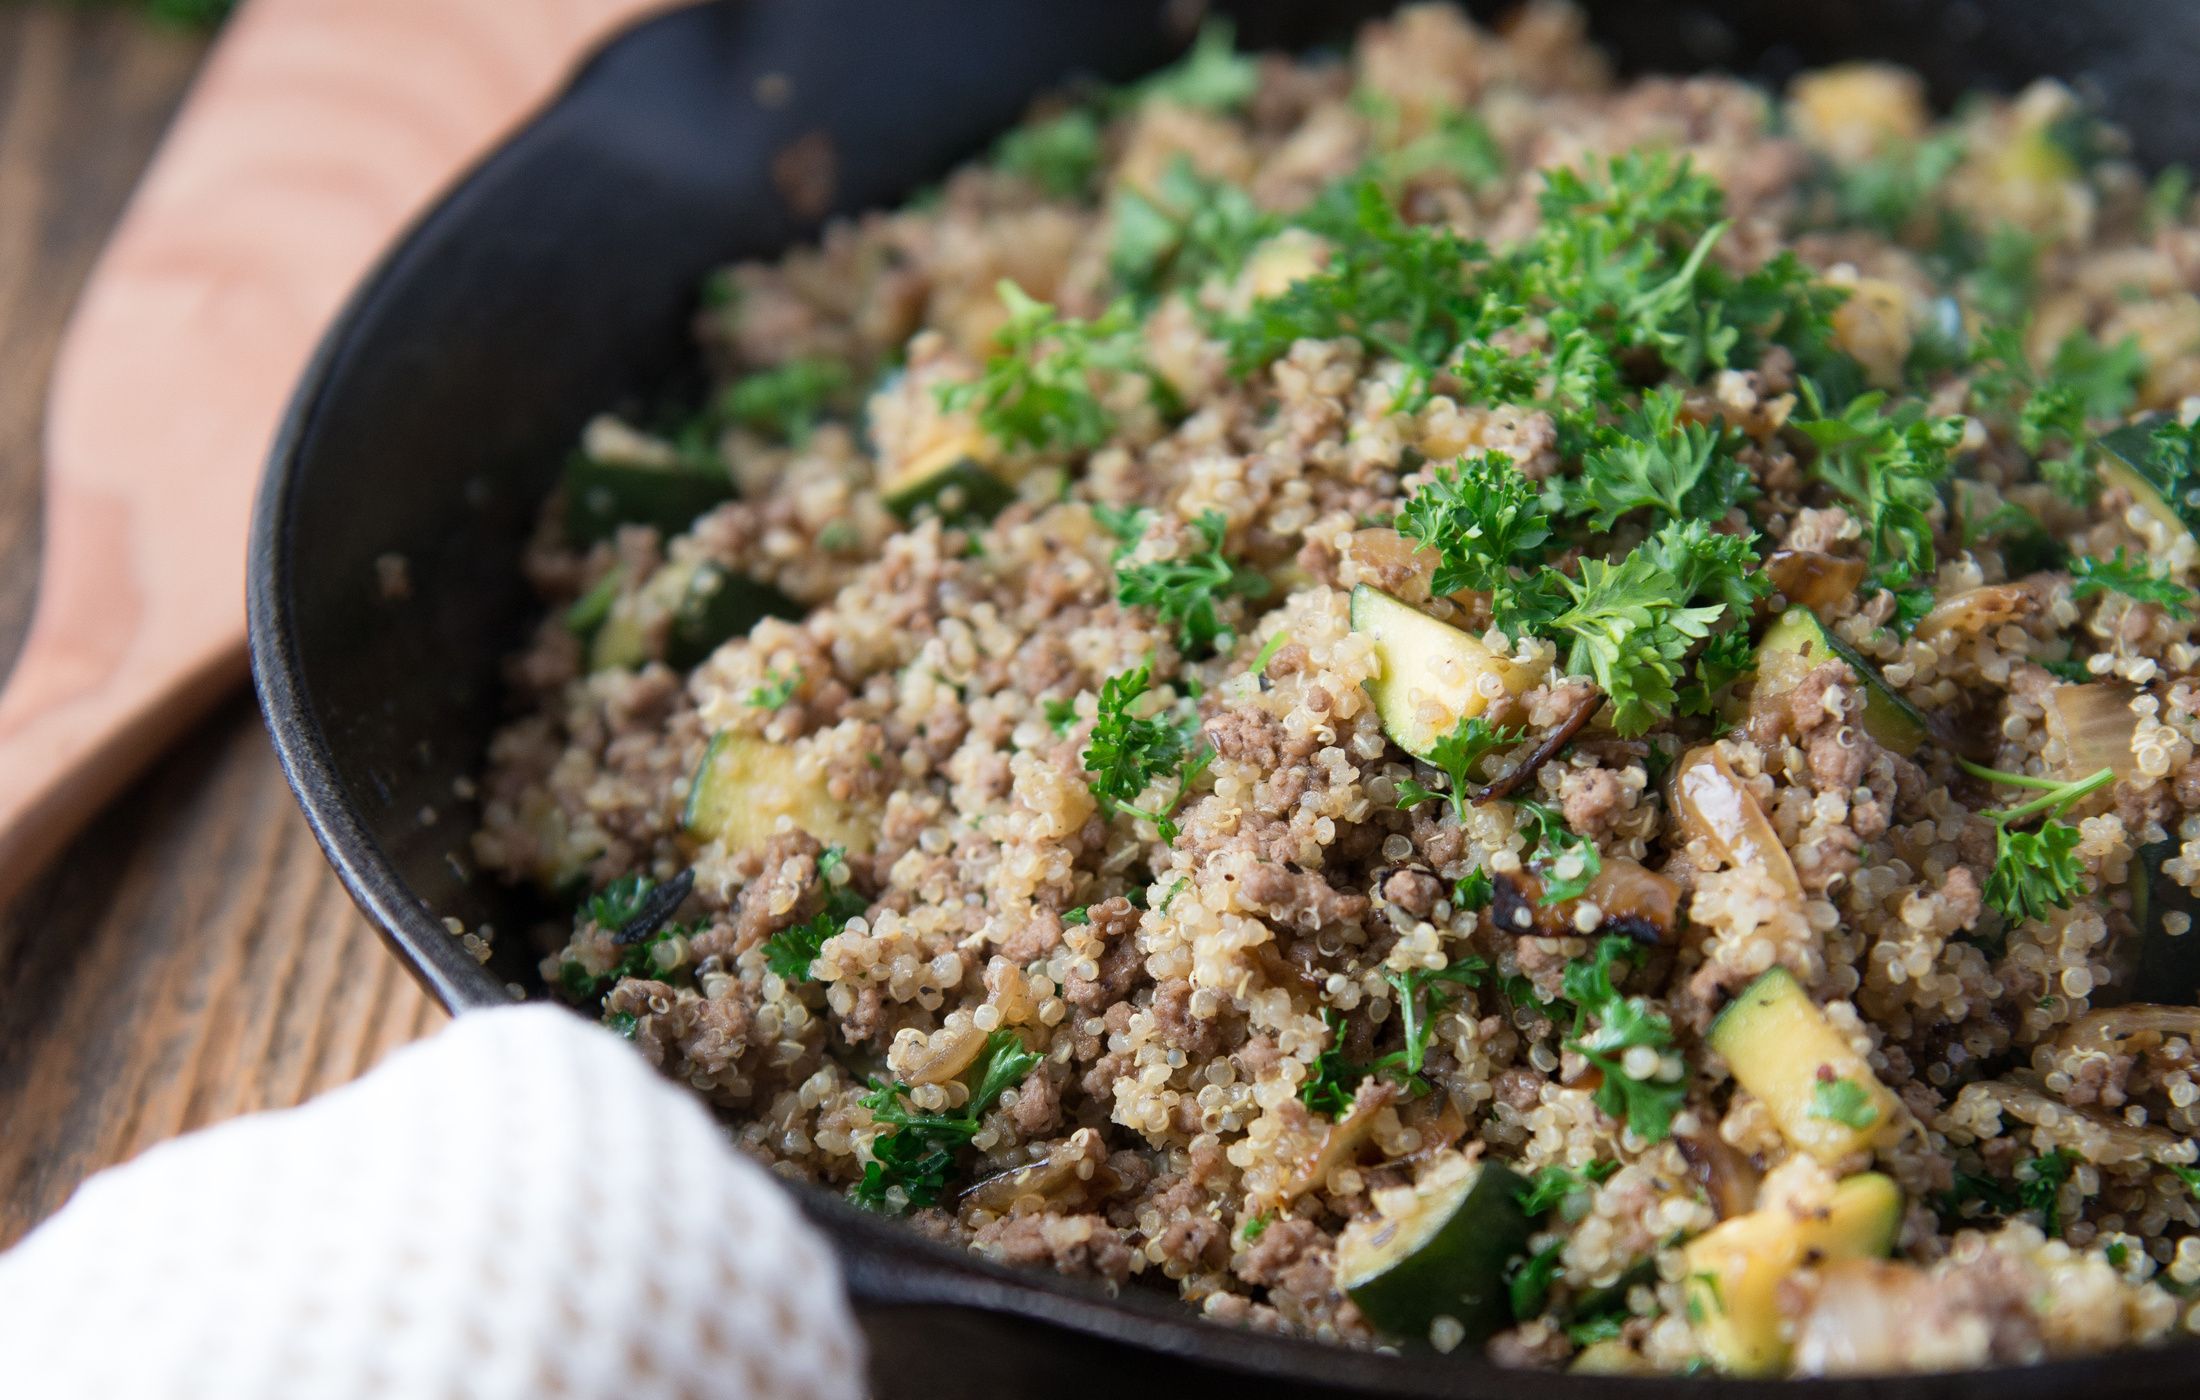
(517, 1207)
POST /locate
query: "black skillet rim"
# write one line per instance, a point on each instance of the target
(885, 1264)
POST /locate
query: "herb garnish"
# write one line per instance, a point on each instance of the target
(1480, 516)
(2134, 578)
(792, 951)
(1037, 387)
(917, 1156)
(2035, 871)
(787, 400)
(1128, 753)
(1622, 1022)
(1186, 590)
(1457, 754)
(1842, 1101)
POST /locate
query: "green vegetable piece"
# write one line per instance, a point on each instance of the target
(602, 496)
(1447, 1255)
(1434, 677)
(1799, 643)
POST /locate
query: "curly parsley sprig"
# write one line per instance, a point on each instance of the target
(1037, 388)
(2035, 871)
(1458, 754)
(1128, 753)
(2133, 578)
(1187, 590)
(1621, 1023)
(1480, 517)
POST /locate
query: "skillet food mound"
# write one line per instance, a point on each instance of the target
(1435, 701)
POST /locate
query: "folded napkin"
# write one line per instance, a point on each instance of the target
(517, 1207)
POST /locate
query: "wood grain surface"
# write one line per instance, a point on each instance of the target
(189, 957)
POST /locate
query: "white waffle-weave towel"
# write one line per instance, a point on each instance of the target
(518, 1207)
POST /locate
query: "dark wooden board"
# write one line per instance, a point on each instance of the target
(189, 957)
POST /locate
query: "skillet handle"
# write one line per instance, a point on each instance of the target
(317, 128)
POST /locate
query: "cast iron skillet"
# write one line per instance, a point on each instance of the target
(557, 278)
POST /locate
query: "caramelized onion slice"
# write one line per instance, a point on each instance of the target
(1978, 610)
(946, 1058)
(1344, 1139)
(1814, 580)
(2130, 1028)
(1709, 801)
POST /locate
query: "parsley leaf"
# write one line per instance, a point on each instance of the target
(1327, 1088)
(1457, 754)
(1568, 864)
(1128, 753)
(791, 951)
(1060, 155)
(1479, 516)
(1887, 468)
(2039, 1186)
(1399, 289)
(1630, 623)
(920, 1152)
(1330, 1080)
(1842, 1101)
(1683, 471)
(1212, 74)
(1529, 1285)
(1036, 390)
(1473, 892)
(2035, 871)
(2053, 410)
(1622, 1023)
(776, 690)
(2133, 578)
(1554, 1187)
(1187, 229)
(1185, 591)
(786, 401)
(1888, 191)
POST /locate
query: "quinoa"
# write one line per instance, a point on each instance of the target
(1060, 879)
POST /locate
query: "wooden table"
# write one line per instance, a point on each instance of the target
(190, 957)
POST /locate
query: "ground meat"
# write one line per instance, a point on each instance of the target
(1197, 1037)
(1286, 896)
(1592, 797)
(1038, 936)
(1839, 754)
(1116, 921)
(1519, 1088)
(1038, 1109)
(693, 1038)
(1070, 1244)
(1415, 891)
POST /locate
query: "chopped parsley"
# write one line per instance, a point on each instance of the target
(1269, 649)
(2134, 578)
(1629, 624)
(1060, 714)
(1457, 754)
(1257, 1226)
(2052, 411)
(791, 951)
(1562, 1188)
(1060, 155)
(1399, 289)
(1211, 75)
(1186, 591)
(1889, 191)
(776, 690)
(2188, 1175)
(1842, 1101)
(1128, 753)
(1551, 842)
(1679, 471)
(1480, 517)
(1621, 1023)
(918, 1154)
(1421, 998)
(637, 912)
(2035, 871)
(1185, 230)
(1473, 892)
(1887, 468)
(2040, 1182)
(1037, 389)
(1529, 1285)
(786, 401)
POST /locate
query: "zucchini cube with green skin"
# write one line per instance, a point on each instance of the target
(1821, 1094)
(747, 790)
(601, 496)
(1431, 675)
(1799, 643)
(2130, 459)
(1735, 1269)
(960, 492)
(699, 606)
(1446, 1255)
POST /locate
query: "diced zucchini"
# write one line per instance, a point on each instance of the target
(699, 606)
(600, 496)
(1735, 1269)
(2129, 459)
(1799, 643)
(1445, 1255)
(960, 492)
(1432, 674)
(1820, 1092)
(744, 787)
(1610, 1357)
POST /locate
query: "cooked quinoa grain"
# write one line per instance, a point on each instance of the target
(1434, 701)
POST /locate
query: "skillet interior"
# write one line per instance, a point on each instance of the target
(557, 278)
